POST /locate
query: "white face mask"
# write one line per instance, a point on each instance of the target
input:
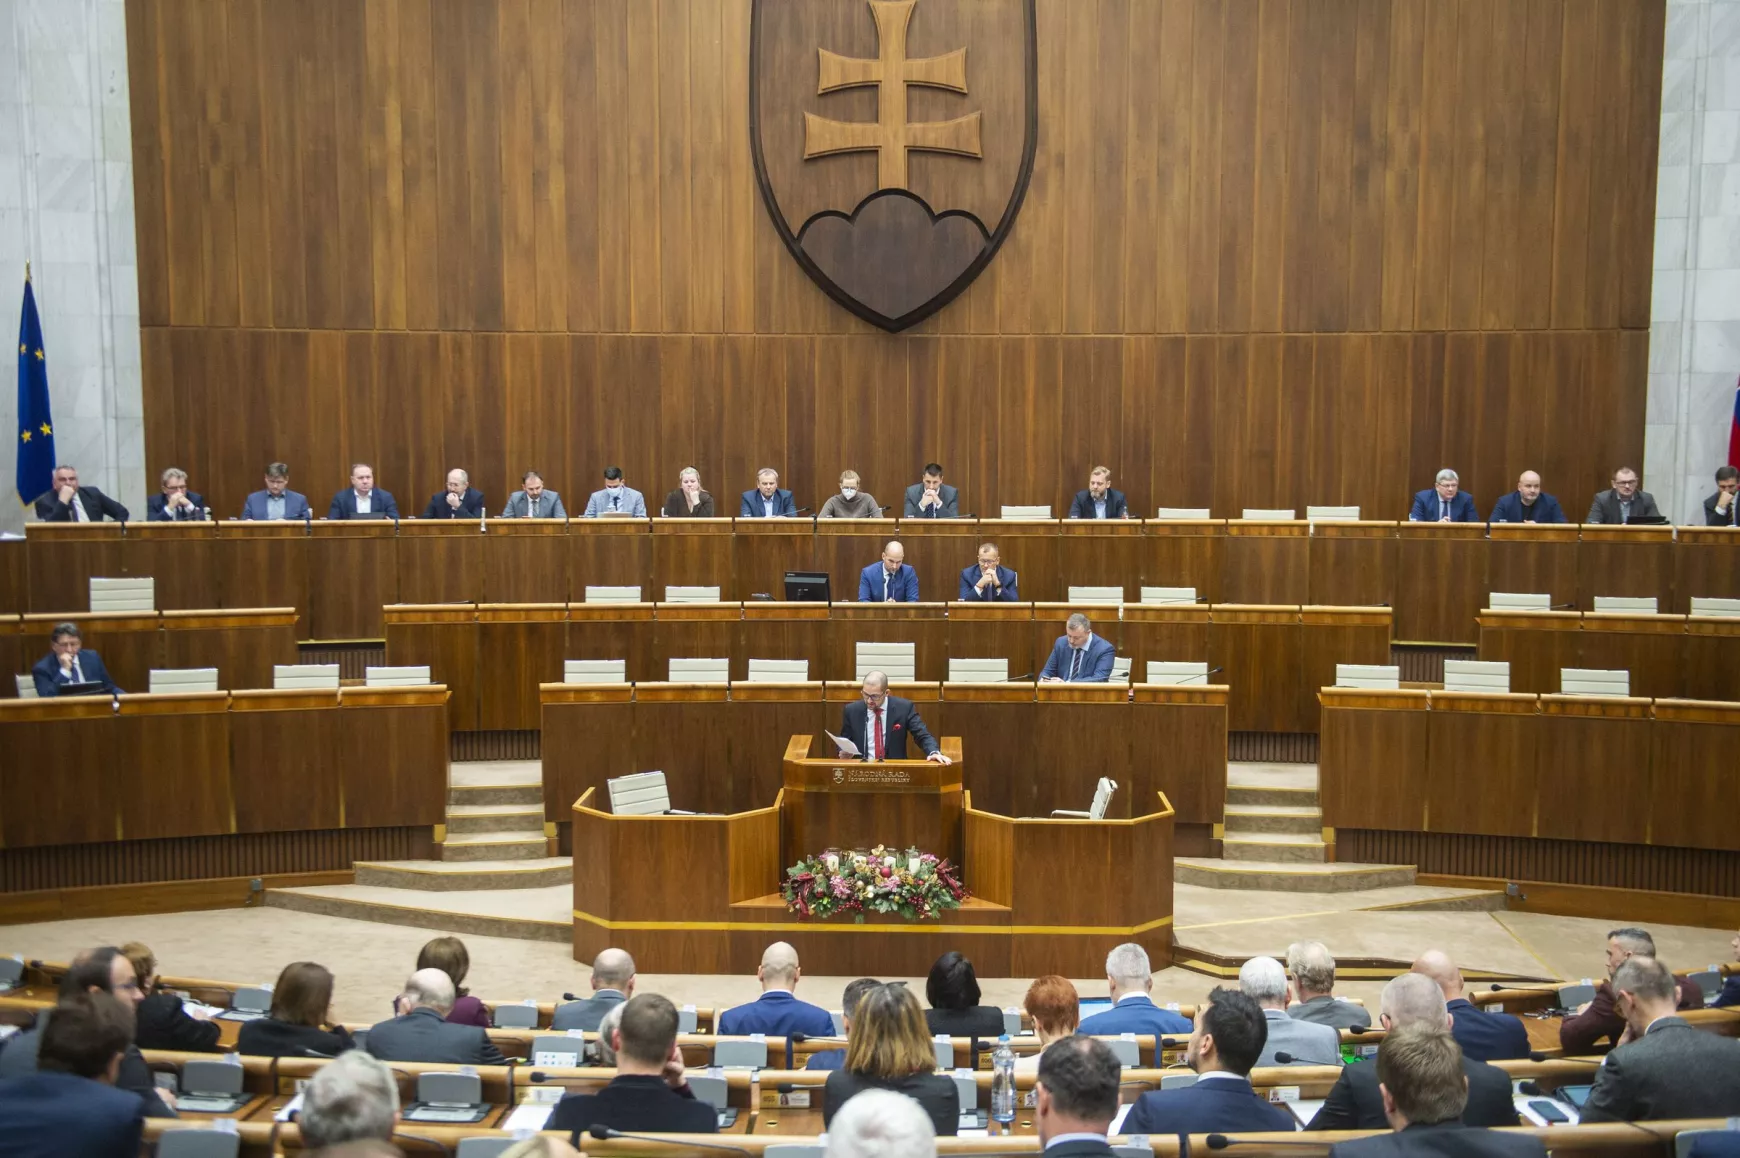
(848, 493)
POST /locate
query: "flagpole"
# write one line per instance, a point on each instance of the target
(27, 271)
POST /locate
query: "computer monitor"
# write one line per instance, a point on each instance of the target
(1086, 1007)
(807, 587)
(88, 688)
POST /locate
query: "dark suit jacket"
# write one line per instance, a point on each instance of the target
(268, 1037)
(1006, 591)
(935, 1092)
(471, 506)
(903, 582)
(587, 1013)
(1441, 1140)
(979, 1021)
(636, 1104)
(1605, 508)
(1673, 1071)
(1425, 509)
(1078, 1148)
(422, 1036)
(295, 505)
(56, 1115)
(827, 1059)
(1083, 506)
(1487, 1036)
(1727, 518)
(951, 503)
(1219, 1104)
(1354, 1102)
(776, 1013)
(901, 720)
(46, 673)
(381, 505)
(18, 1059)
(157, 508)
(751, 506)
(163, 1024)
(1096, 665)
(1510, 509)
(1730, 994)
(676, 507)
(98, 506)
(1582, 1032)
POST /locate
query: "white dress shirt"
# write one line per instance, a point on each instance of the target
(364, 503)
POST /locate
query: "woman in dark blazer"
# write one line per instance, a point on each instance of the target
(953, 992)
(888, 1049)
(162, 1022)
(300, 1023)
(689, 501)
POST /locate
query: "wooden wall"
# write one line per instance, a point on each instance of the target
(1275, 252)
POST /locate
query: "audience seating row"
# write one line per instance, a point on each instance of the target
(1667, 656)
(242, 644)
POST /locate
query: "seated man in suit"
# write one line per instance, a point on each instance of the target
(1663, 1067)
(460, 500)
(1079, 656)
(612, 984)
(1624, 502)
(1424, 1089)
(1313, 971)
(69, 1107)
(891, 580)
(351, 1099)
(421, 1031)
(881, 1123)
(1356, 1103)
(67, 662)
(879, 724)
(1582, 1031)
(68, 502)
(1444, 503)
(766, 500)
(833, 1059)
(616, 498)
(988, 581)
(1264, 981)
(1130, 979)
(1228, 1039)
(277, 501)
(361, 500)
(930, 498)
(533, 501)
(1721, 509)
(1483, 1036)
(1076, 1097)
(1527, 504)
(1099, 501)
(175, 503)
(1730, 994)
(777, 1013)
(853, 501)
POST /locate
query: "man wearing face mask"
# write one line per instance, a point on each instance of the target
(851, 503)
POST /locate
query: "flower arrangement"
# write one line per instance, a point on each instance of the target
(917, 885)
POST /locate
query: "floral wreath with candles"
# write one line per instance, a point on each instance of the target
(917, 885)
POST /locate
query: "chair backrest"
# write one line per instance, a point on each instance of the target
(1332, 514)
(642, 794)
(794, 1150)
(612, 594)
(396, 677)
(1120, 670)
(1637, 604)
(1709, 982)
(1126, 1051)
(1182, 513)
(1171, 672)
(196, 1142)
(305, 677)
(1476, 675)
(11, 972)
(131, 594)
(978, 671)
(691, 594)
(1709, 606)
(463, 1088)
(1026, 513)
(1387, 677)
(181, 679)
(26, 686)
(1096, 594)
(251, 999)
(516, 1016)
(1571, 996)
(1685, 1140)
(778, 671)
(595, 671)
(1168, 595)
(210, 1077)
(1177, 1082)
(738, 1052)
(700, 671)
(548, 1046)
(1103, 792)
(898, 660)
(1268, 514)
(483, 1146)
(1594, 681)
(1518, 601)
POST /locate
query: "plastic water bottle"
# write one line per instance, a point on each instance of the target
(1003, 1083)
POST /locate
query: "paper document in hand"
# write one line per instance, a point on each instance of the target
(847, 748)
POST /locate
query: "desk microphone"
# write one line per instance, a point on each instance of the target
(1359, 1029)
(1289, 1059)
(799, 511)
(308, 518)
(607, 1134)
(1019, 678)
(1500, 987)
(1571, 606)
(1221, 1142)
(884, 507)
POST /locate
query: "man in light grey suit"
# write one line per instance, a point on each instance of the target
(1663, 1066)
(1313, 970)
(612, 984)
(422, 1033)
(1264, 981)
(930, 499)
(532, 501)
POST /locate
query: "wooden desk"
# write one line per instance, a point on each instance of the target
(14, 576)
(1330, 636)
(1259, 649)
(1534, 557)
(1175, 633)
(440, 560)
(767, 549)
(1625, 560)
(1266, 562)
(1481, 754)
(1688, 806)
(520, 646)
(1712, 656)
(694, 553)
(1703, 566)
(1082, 733)
(1440, 581)
(526, 561)
(613, 552)
(1185, 553)
(61, 559)
(922, 624)
(848, 804)
(129, 642)
(244, 644)
(612, 631)
(444, 638)
(364, 553)
(1178, 747)
(994, 631)
(699, 631)
(1353, 563)
(1099, 553)
(1651, 647)
(1536, 644)
(263, 564)
(182, 557)
(939, 549)
(1367, 737)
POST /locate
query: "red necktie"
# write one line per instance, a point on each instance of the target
(880, 749)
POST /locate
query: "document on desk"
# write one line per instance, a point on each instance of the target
(847, 748)
(528, 1116)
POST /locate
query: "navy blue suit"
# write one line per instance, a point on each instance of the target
(827, 1059)
(1487, 1036)
(58, 1115)
(471, 506)
(902, 721)
(1730, 994)
(381, 505)
(752, 508)
(777, 1014)
(1510, 509)
(1137, 1015)
(902, 585)
(1007, 589)
(157, 509)
(295, 506)
(1218, 1104)
(49, 677)
(1096, 665)
(1426, 508)
(1083, 507)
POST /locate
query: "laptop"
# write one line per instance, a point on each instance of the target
(87, 688)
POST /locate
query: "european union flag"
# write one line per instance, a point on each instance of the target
(35, 424)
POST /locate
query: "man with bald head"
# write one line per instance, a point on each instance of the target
(777, 1013)
(612, 984)
(1527, 504)
(890, 580)
(1355, 1102)
(422, 1033)
(1483, 1036)
(879, 724)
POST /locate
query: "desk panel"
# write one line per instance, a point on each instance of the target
(62, 558)
(1185, 553)
(519, 647)
(613, 631)
(57, 781)
(1178, 746)
(1101, 553)
(1534, 557)
(609, 553)
(1480, 763)
(997, 725)
(993, 631)
(1266, 563)
(680, 729)
(1029, 547)
(440, 560)
(14, 577)
(353, 569)
(1712, 657)
(700, 631)
(1536, 644)
(130, 643)
(921, 624)
(1337, 635)
(694, 553)
(526, 561)
(1651, 647)
(446, 639)
(243, 645)
(1259, 650)
(1634, 561)
(391, 747)
(1082, 734)
(1591, 751)
(1370, 741)
(1440, 581)
(181, 557)
(179, 780)
(588, 737)
(768, 715)
(1175, 633)
(774, 629)
(284, 761)
(263, 564)
(1690, 802)
(1353, 564)
(767, 549)
(1704, 566)
(939, 549)
(844, 547)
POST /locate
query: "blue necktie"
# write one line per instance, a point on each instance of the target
(1075, 663)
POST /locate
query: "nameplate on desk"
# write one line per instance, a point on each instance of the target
(789, 1099)
(849, 775)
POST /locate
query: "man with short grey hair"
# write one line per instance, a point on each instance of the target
(1600, 1018)
(352, 1098)
(1130, 979)
(1663, 1067)
(1264, 981)
(612, 984)
(881, 1124)
(1444, 503)
(422, 1033)
(1313, 970)
(1079, 656)
(460, 500)
(176, 503)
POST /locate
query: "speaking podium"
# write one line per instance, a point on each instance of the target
(843, 802)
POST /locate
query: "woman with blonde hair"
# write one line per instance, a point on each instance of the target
(1055, 1007)
(889, 1048)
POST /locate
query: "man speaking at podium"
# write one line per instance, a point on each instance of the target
(879, 724)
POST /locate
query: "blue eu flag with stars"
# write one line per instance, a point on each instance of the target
(35, 425)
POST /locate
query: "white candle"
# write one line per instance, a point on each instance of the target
(912, 866)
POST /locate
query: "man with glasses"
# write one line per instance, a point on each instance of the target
(879, 724)
(1625, 503)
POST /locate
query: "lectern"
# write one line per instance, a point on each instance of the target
(836, 802)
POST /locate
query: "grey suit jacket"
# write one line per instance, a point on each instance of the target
(1317, 1045)
(520, 507)
(422, 1036)
(1605, 508)
(951, 502)
(587, 1013)
(1328, 1011)
(1674, 1071)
